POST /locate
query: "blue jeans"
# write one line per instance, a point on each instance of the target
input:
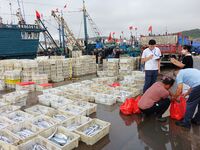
(192, 102)
(150, 78)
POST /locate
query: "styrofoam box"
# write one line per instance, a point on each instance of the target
(75, 122)
(19, 113)
(5, 122)
(6, 110)
(11, 137)
(25, 125)
(45, 118)
(37, 140)
(91, 107)
(58, 112)
(69, 146)
(38, 110)
(91, 140)
(75, 110)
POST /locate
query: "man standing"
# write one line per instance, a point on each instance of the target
(191, 78)
(151, 58)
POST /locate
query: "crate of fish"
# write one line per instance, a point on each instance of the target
(19, 116)
(93, 131)
(61, 138)
(2, 104)
(60, 116)
(60, 102)
(75, 110)
(7, 140)
(38, 110)
(45, 99)
(24, 131)
(74, 123)
(37, 143)
(43, 122)
(5, 122)
(6, 110)
(44, 86)
(91, 107)
(105, 99)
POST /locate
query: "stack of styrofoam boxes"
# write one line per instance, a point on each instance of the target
(40, 78)
(17, 98)
(53, 69)
(78, 67)
(112, 67)
(126, 66)
(59, 71)
(30, 67)
(47, 68)
(27, 86)
(93, 65)
(11, 78)
(67, 68)
(40, 66)
(76, 54)
(139, 79)
(2, 85)
(1, 70)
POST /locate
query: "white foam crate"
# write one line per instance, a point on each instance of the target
(105, 99)
(60, 102)
(69, 146)
(25, 125)
(19, 113)
(38, 110)
(45, 118)
(37, 140)
(91, 107)
(58, 112)
(5, 122)
(91, 140)
(11, 137)
(75, 110)
(75, 122)
(6, 110)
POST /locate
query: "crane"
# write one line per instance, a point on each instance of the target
(71, 40)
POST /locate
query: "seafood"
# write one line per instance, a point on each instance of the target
(60, 139)
(59, 117)
(41, 123)
(92, 130)
(38, 147)
(17, 118)
(73, 126)
(74, 111)
(5, 139)
(24, 133)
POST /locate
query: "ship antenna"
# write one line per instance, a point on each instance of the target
(11, 12)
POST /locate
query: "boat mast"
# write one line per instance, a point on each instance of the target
(19, 14)
(85, 27)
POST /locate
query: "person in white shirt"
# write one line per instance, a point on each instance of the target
(151, 58)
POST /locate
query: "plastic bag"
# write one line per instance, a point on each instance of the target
(127, 107)
(136, 109)
(178, 108)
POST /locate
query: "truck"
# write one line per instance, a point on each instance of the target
(169, 44)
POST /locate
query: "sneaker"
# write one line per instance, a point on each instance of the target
(182, 124)
(193, 121)
(161, 119)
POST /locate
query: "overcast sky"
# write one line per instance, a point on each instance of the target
(115, 15)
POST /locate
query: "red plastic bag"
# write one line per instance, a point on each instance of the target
(115, 84)
(178, 108)
(136, 109)
(127, 107)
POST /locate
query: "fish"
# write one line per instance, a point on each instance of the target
(24, 133)
(75, 111)
(43, 123)
(60, 139)
(5, 139)
(92, 130)
(59, 117)
(38, 147)
(73, 126)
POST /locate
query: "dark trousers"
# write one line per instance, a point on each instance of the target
(192, 103)
(158, 108)
(150, 79)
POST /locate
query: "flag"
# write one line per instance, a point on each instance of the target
(131, 28)
(136, 28)
(56, 9)
(113, 33)
(110, 37)
(150, 29)
(122, 32)
(37, 15)
(65, 6)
